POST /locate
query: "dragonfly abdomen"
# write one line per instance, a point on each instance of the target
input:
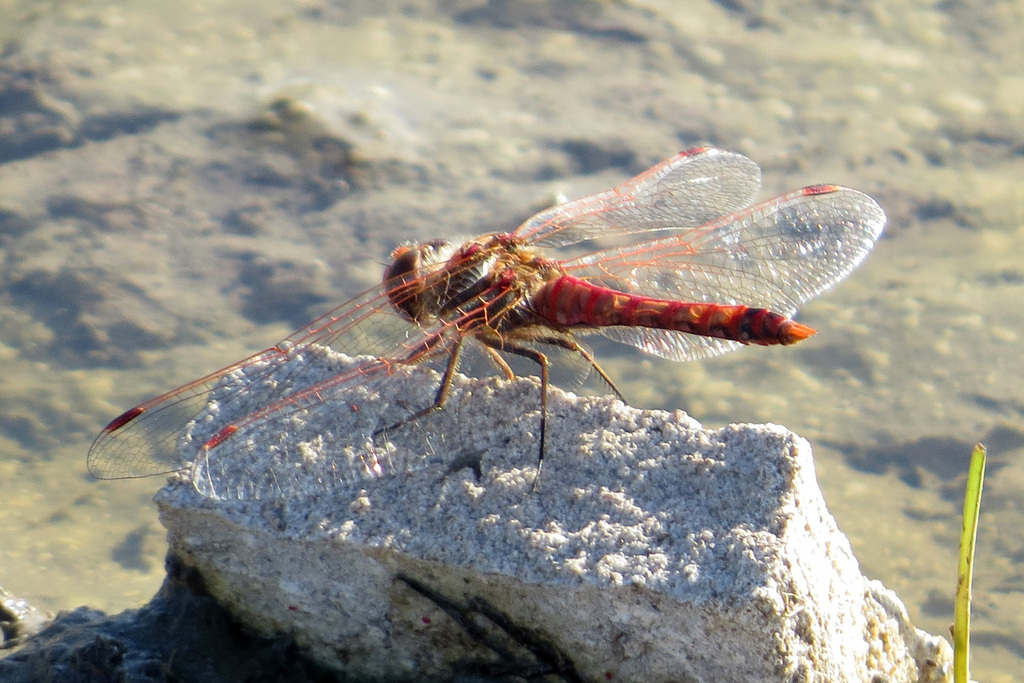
(568, 301)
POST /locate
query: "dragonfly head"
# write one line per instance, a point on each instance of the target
(402, 278)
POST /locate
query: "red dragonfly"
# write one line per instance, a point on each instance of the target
(677, 262)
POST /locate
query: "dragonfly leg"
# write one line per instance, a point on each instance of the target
(439, 399)
(540, 359)
(570, 344)
(500, 362)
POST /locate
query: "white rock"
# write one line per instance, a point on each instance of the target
(651, 549)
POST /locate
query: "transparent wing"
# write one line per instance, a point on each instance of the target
(668, 344)
(241, 431)
(690, 189)
(774, 255)
(143, 441)
(286, 450)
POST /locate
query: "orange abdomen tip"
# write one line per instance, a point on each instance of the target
(790, 332)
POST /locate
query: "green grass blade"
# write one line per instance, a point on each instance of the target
(965, 574)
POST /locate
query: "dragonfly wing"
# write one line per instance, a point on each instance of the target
(774, 255)
(284, 450)
(143, 441)
(217, 419)
(669, 344)
(687, 190)
(261, 446)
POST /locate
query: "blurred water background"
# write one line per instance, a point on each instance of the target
(182, 184)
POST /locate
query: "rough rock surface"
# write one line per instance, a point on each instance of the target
(650, 549)
(182, 635)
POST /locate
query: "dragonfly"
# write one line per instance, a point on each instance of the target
(679, 262)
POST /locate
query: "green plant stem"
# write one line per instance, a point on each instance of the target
(965, 574)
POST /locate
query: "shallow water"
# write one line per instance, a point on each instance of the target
(163, 217)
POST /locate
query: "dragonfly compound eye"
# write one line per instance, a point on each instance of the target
(405, 261)
(400, 279)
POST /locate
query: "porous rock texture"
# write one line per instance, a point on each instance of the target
(649, 548)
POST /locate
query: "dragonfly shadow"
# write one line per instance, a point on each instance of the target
(466, 433)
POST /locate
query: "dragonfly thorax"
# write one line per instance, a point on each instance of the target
(478, 281)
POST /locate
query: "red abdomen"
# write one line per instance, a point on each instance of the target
(568, 301)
